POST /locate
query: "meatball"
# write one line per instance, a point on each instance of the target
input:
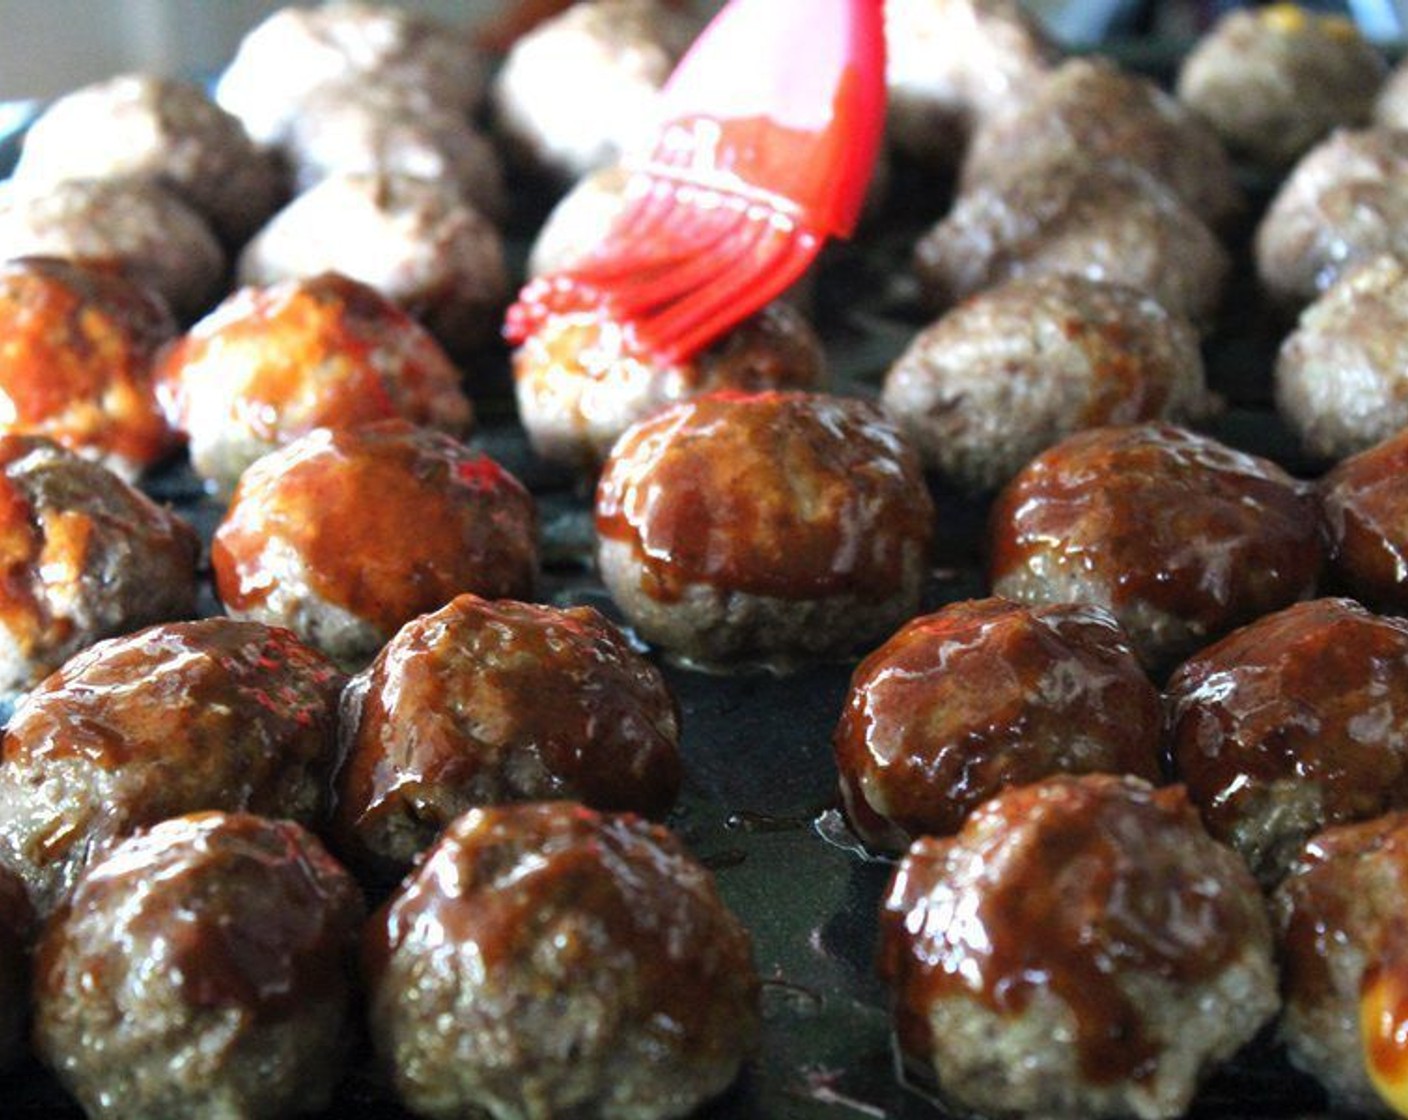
(271, 364)
(581, 381)
(765, 526)
(1338, 918)
(1293, 722)
(298, 50)
(1082, 948)
(1180, 537)
(983, 695)
(132, 226)
(1273, 81)
(481, 703)
(76, 364)
(1112, 223)
(1364, 510)
(87, 557)
(579, 89)
(214, 714)
(417, 242)
(1391, 105)
(580, 221)
(1342, 375)
(347, 534)
(16, 927)
(1089, 109)
(204, 968)
(951, 64)
(150, 127)
(1012, 370)
(548, 961)
(1344, 203)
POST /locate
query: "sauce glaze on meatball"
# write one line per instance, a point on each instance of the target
(1364, 509)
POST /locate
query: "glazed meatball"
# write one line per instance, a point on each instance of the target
(131, 226)
(1344, 203)
(204, 968)
(951, 64)
(214, 714)
(548, 961)
(580, 381)
(579, 89)
(87, 557)
(764, 526)
(1180, 537)
(1089, 109)
(1082, 948)
(16, 927)
(76, 364)
(1273, 81)
(1293, 722)
(1342, 375)
(298, 50)
(148, 127)
(271, 364)
(483, 702)
(983, 695)
(417, 242)
(1364, 510)
(1106, 223)
(1338, 917)
(347, 534)
(1012, 370)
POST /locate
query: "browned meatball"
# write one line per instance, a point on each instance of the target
(16, 928)
(1364, 509)
(982, 695)
(87, 557)
(1091, 110)
(1272, 81)
(580, 382)
(1082, 948)
(271, 364)
(1112, 223)
(1012, 370)
(763, 526)
(1179, 536)
(547, 961)
(205, 968)
(347, 534)
(76, 364)
(215, 714)
(1294, 722)
(149, 127)
(486, 702)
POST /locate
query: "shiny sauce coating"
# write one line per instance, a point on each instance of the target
(1364, 508)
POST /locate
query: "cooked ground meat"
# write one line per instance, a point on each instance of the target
(1364, 511)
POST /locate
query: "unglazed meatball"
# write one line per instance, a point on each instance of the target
(1344, 203)
(149, 127)
(983, 695)
(347, 534)
(950, 64)
(580, 382)
(1112, 223)
(1364, 510)
(1012, 370)
(130, 225)
(1294, 722)
(1342, 375)
(87, 557)
(1179, 536)
(76, 364)
(16, 930)
(187, 716)
(205, 968)
(417, 241)
(579, 89)
(1082, 948)
(1272, 81)
(1391, 106)
(481, 703)
(298, 50)
(271, 364)
(764, 526)
(546, 961)
(1338, 917)
(1089, 109)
